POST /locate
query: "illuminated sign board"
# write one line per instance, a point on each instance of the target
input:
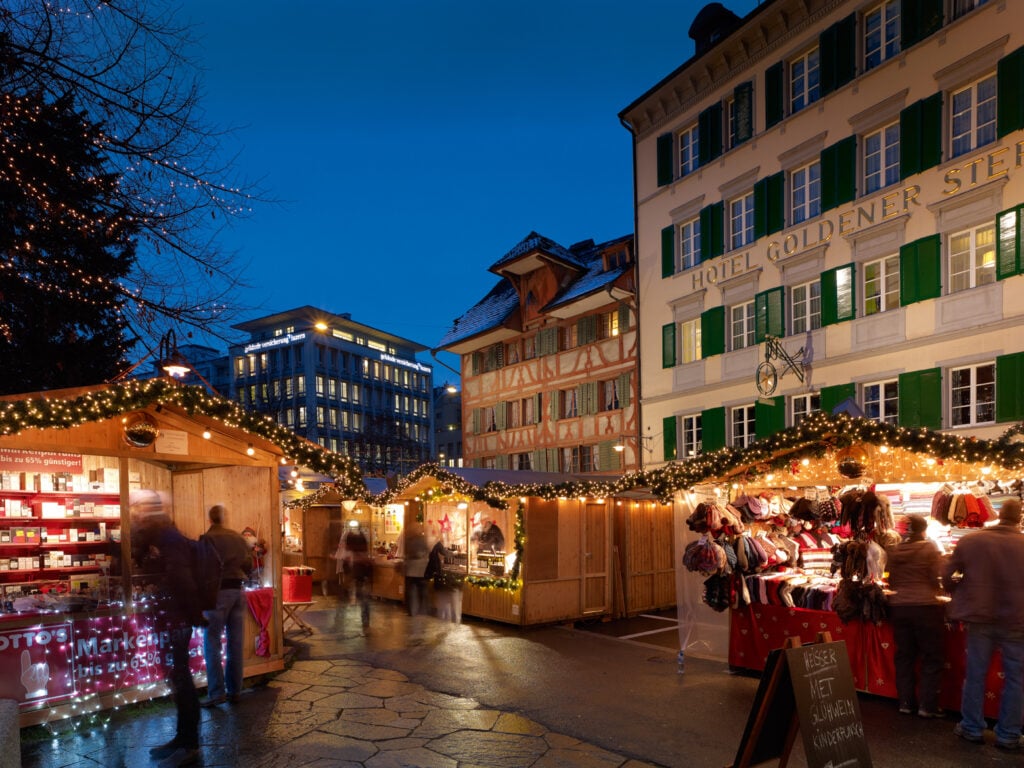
(412, 364)
(280, 341)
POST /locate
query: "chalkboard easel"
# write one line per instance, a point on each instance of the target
(808, 687)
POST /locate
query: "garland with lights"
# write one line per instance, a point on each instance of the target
(118, 399)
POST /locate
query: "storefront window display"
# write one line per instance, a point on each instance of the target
(480, 539)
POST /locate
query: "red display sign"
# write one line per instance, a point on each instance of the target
(39, 461)
(51, 662)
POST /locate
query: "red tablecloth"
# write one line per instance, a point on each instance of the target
(757, 629)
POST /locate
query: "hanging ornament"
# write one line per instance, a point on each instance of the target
(140, 430)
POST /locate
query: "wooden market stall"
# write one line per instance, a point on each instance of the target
(70, 465)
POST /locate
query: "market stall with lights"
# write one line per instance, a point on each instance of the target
(76, 635)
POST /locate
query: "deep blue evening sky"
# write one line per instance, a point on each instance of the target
(414, 142)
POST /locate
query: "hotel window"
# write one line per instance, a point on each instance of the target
(300, 386)
(332, 388)
(289, 387)
(881, 33)
(973, 117)
(691, 435)
(743, 422)
(333, 414)
(972, 258)
(741, 320)
(960, 7)
(805, 301)
(689, 148)
(343, 390)
(357, 393)
(689, 339)
(569, 405)
(882, 158)
(741, 221)
(608, 324)
(805, 192)
(881, 401)
(689, 244)
(804, 85)
(300, 416)
(345, 419)
(881, 285)
(803, 406)
(972, 395)
(321, 415)
(239, 366)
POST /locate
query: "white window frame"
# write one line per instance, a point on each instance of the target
(691, 435)
(742, 425)
(880, 291)
(972, 400)
(741, 220)
(973, 265)
(881, 158)
(570, 408)
(972, 124)
(802, 406)
(742, 329)
(689, 244)
(880, 400)
(689, 341)
(805, 307)
(688, 146)
(963, 7)
(805, 192)
(804, 80)
(881, 33)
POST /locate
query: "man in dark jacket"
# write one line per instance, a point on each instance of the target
(988, 600)
(229, 614)
(166, 556)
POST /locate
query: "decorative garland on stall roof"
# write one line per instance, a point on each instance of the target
(119, 399)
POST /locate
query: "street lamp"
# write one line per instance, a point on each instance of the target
(171, 361)
(446, 389)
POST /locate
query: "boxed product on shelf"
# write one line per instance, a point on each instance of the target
(105, 478)
(55, 559)
(49, 509)
(5, 535)
(42, 483)
(10, 481)
(13, 508)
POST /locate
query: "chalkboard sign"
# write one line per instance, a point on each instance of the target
(809, 687)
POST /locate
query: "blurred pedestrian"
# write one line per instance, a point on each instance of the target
(446, 584)
(224, 676)
(918, 619)
(416, 554)
(987, 599)
(359, 570)
(165, 555)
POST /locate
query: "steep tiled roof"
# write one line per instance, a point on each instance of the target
(535, 242)
(488, 313)
(595, 278)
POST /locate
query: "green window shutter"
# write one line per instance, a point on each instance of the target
(1010, 387)
(837, 47)
(774, 94)
(743, 111)
(712, 428)
(665, 165)
(769, 314)
(499, 416)
(918, 19)
(921, 136)
(591, 397)
(668, 345)
(537, 415)
(1010, 96)
(834, 395)
(668, 431)
(838, 297)
(1008, 228)
(501, 461)
(839, 173)
(712, 231)
(668, 251)
(607, 457)
(709, 134)
(623, 318)
(586, 329)
(712, 332)
(474, 361)
(624, 389)
(769, 204)
(540, 460)
(769, 418)
(476, 421)
(920, 399)
(920, 270)
(548, 341)
(552, 459)
(553, 403)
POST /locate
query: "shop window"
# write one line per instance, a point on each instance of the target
(690, 435)
(881, 158)
(973, 116)
(805, 306)
(972, 258)
(803, 406)
(741, 320)
(972, 395)
(689, 341)
(743, 422)
(881, 285)
(741, 220)
(805, 193)
(881, 33)
(804, 84)
(689, 149)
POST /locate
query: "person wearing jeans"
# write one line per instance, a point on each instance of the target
(988, 600)
(224, 678)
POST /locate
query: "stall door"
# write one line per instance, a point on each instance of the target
(595, 559)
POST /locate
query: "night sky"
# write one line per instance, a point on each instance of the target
(411, 144)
